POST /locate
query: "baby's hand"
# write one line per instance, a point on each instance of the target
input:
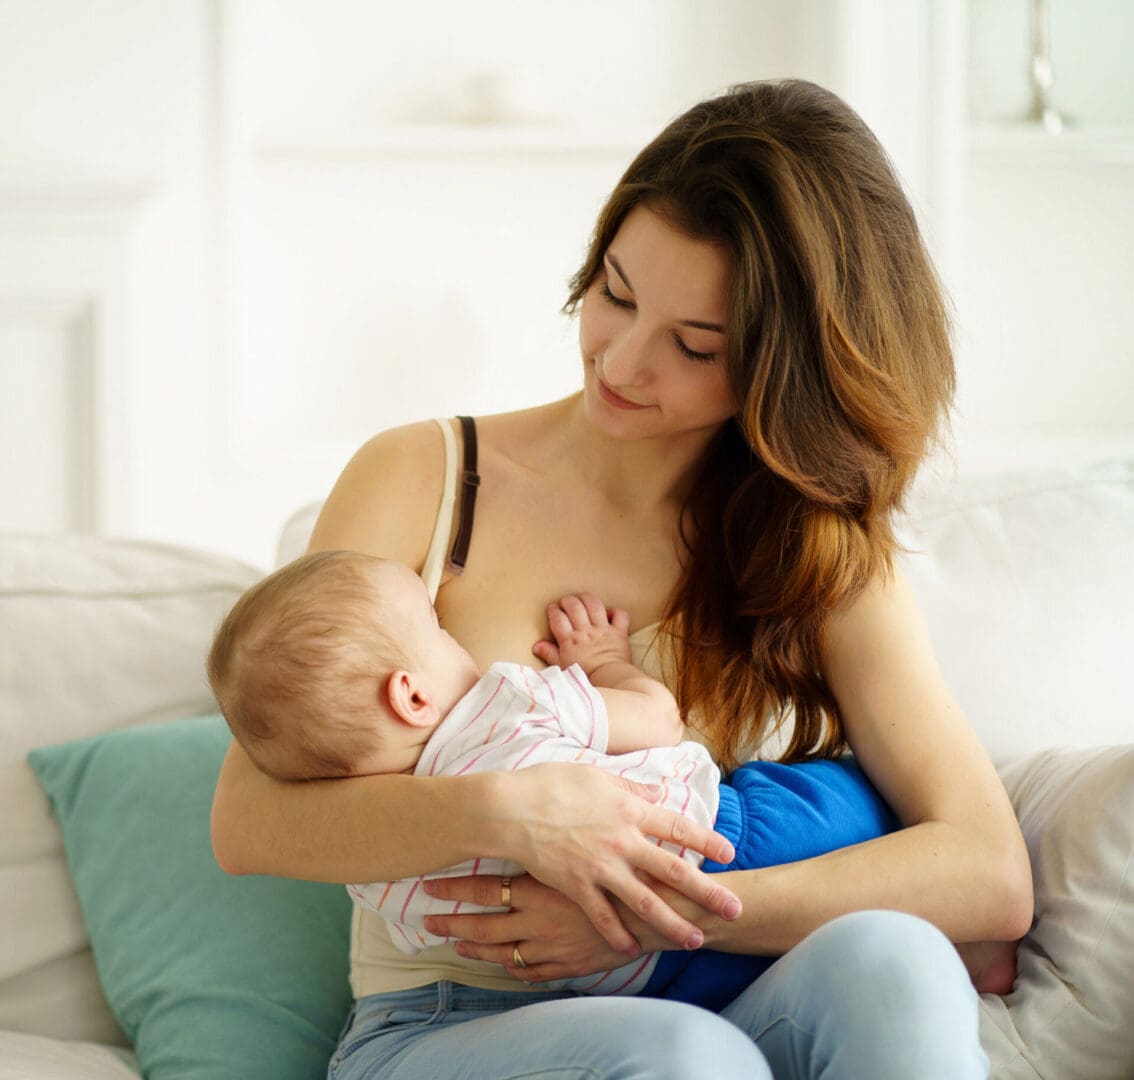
(585, 633)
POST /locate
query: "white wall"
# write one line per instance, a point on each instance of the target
(1047, 305)
(238, 236)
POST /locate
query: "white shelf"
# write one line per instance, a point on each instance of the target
(456, 140)
(978, 450)
(1028, 143)
(39, 197)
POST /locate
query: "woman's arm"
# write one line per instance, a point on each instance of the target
(332, 830)
(383, 504)
(960, 862)
(571, 828)
(580, 831)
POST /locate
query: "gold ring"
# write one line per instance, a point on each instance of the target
(506, 892)
(517, 959)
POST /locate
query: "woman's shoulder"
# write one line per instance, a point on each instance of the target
(523, 433)
(885, 605)
(385, 501)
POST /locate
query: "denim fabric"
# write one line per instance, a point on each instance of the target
(877, 995)
(450, 1032)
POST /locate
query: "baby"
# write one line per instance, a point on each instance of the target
(336, 665)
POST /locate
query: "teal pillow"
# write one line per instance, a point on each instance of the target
(211, 977)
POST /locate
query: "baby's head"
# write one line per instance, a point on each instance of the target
(336, 665)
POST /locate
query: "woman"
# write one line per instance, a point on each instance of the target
(766, 360)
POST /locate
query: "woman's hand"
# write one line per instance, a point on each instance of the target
(553, 936)
(588, 834)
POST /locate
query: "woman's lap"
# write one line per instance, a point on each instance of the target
(876, 994)
(458, 1033)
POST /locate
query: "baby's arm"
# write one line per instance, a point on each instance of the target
(641, 712)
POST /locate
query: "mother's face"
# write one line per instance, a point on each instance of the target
(651, 330)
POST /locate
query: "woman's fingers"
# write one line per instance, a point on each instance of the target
(589, 835)
(491, 937)
(677, 829)
(533, 970)
(650, 907)
(551, 927)
(705, 890)
(479, 928)
(486, 890)
(489, 929)
(598, 908)
(504, 955)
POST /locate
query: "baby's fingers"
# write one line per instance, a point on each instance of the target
(547, 651)
(558, 622)
(576, 612)
(595, 609)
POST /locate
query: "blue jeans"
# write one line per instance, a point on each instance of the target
(875, 995)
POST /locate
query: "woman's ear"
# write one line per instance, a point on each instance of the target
(409, 701)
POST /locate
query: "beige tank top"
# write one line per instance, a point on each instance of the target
(376, 965)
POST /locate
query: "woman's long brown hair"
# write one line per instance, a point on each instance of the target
(839, 359)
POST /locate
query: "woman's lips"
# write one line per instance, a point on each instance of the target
(617, 400)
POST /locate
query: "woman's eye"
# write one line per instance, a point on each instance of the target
(611, 298)
(690, 354)
(628, 305)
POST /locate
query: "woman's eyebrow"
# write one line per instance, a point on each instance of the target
(618, 269)
(697, 324)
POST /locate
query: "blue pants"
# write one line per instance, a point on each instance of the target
(875, 994)
(773, 814)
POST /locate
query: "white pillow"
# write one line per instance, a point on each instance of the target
(1071, 1015)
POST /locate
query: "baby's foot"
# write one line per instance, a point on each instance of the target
(991, 965)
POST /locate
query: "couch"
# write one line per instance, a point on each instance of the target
(125, 949)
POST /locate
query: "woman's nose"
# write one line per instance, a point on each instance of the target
(627, 358)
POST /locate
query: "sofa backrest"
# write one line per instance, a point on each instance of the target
(1027, 584)
(95, 634)
(1026, 581)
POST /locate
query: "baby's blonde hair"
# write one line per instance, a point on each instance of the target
(299, 665)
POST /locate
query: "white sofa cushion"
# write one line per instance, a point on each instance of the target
(133, 620)
(1027, 584)
(1071, 1015)
(1026, 581)
(33, 1057)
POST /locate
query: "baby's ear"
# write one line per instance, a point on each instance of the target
(409, 701)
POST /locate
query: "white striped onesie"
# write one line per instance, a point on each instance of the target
(517, 716)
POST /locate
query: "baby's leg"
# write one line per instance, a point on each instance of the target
(991, 965)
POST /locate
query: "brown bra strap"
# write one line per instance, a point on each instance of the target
(470, 481)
